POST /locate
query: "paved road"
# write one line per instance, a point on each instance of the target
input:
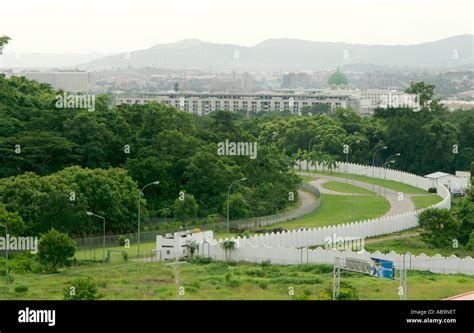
(319, 184)
(306, 199)
(396, 206)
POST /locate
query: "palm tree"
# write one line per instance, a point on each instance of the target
(191, 248)
(331, 162)
(228, 246)
(305, 156)
(314, 156)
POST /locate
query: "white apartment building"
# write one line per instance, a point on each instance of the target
(73, 81)
(205, 103)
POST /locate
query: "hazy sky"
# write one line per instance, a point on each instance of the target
(107, 26)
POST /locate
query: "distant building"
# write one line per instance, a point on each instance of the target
(205, 103)
(247, 83)
(73, 81)
(337, 79)
(457, 184)
(296, 81)
(454, 104)
(173, 246)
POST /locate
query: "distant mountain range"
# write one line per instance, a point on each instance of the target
(46, 60)
(293, 55)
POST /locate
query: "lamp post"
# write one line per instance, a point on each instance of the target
(139, 212)
(228, 199)
(385, 173)
(6, 249)
(373, 165)
(103, 228)
(353, 194)
(347, 157)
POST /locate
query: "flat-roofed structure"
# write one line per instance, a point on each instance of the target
(72, 81)
(205, 103)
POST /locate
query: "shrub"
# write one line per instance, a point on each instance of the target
(82, 289)
(263, 284)
(10, 278)
(346, 293)
(122, 240)
(21, 289)
(55, 249)
(439, 227)
(202, 260)
(302, 298)
(231, 281)
(266, 263)
(432, 190)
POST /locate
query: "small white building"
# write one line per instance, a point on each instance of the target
(173, 245)
(456, 184)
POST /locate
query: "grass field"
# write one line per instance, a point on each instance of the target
(307, 179)
(337, 209)
(396, 186)
(425, 200)
(415, 245)
(345, 188)
(221, 281)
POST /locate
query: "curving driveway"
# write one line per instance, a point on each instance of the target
(396, 206)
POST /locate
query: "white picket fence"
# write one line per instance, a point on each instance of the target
(292, 256)
(362, 229)
(292, 247)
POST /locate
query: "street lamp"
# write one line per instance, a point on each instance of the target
(228, 199)
(385, 171)
(373, 165)
(359, 172)
(139, 212)
(6, 249)
(103, 237)
(347, 157)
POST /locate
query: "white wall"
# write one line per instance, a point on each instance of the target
(361, 229)
(290, 256)
(282, 248)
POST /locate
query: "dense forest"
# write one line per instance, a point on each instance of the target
(57, 163)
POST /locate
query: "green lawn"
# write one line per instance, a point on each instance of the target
(415, 245)
(425, 200)
(345, 188)
(307, 179)
(221, 281)
(396, 186)
(337, 209)
(96, 254)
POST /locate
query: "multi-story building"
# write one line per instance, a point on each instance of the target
(72, 81)
(205, 103)
(296, 81)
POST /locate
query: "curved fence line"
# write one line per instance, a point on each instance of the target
(361, 229)
(220, 226)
